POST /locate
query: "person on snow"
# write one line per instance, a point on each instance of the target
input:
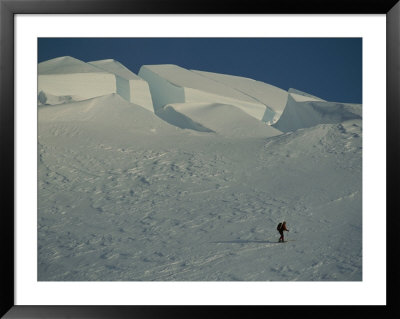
(281, 227)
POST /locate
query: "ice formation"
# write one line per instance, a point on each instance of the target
(66, 79)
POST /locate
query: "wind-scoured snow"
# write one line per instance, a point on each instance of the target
(194, 191)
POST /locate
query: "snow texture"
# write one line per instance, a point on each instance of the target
(195, 190)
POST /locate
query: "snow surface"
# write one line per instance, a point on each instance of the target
(66, 79)
(304, 94)
(66, 65)
(171, 84)
(307, 112)
(303, 98)
(273, 97)
(112, 66)
(223, 119)
(129, 85)
(194, 191)
(75, 86)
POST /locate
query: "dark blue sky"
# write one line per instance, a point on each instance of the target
(330, 68)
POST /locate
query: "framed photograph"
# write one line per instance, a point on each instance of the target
(194, 159)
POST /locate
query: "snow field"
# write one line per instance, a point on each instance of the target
(114, 205)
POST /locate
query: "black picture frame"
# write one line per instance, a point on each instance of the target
(8, 10)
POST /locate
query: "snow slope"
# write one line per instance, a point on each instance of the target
(222, 119)
(122, 195)
(171, 84)
(97, 114)
(302, 111)
(271, 96)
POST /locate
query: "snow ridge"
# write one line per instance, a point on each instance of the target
(66, 65)
(172, 84)
(173, 92)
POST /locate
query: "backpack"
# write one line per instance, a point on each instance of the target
(279, 226)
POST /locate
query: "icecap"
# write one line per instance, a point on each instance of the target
(66, 79)
(125, 195)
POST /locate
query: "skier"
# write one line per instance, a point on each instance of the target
(281, 227)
